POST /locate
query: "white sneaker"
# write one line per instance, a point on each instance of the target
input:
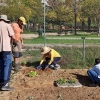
(57, 66)
(51, 66)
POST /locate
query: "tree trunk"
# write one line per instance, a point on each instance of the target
(89, 24)
(99, 28)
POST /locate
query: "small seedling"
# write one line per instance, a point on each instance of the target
(30, 98)
(71, 81)
(24, 63)
(59, 97)
(32, 74)
(61, 81)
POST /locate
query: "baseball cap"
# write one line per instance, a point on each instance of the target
(23, 20)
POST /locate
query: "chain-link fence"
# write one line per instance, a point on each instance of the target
(74, 55)
(60, 21)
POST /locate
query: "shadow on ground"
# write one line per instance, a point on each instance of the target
(83, 79)
(35, 64)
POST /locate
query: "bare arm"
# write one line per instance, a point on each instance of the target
(13, 39)
(22, 40)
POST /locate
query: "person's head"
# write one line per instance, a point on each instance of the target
(97, 60)
(22, 21)
(4, 18)
(45, 50)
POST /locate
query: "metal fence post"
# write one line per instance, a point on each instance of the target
(44, 2)
(83, 38)
(44, 24)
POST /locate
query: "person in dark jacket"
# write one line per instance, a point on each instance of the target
(40, 30)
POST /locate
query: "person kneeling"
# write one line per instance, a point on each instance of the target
(51, 56)
(94, 73)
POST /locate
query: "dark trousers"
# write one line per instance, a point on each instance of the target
(56, 59)
(5, 66)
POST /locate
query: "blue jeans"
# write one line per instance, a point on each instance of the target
(5, 66)
(56, 59)
(94, 76)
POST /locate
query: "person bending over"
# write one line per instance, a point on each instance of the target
(51, 57)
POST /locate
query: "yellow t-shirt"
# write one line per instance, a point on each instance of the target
(52, 54)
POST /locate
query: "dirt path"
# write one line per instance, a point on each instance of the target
(28, 36)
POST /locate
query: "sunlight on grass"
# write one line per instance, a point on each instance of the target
(65, 39)
(59, 41)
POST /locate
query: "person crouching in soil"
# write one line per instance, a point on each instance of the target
(51, 57)
(94, 73)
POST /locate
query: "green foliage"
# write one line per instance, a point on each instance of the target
(58, 12)
(91, 8)
(26, 8)
(61, 81)
(71, 81)
(72, 57)
(32, 74)
(63, 10)
(15, 9)
(24, 62)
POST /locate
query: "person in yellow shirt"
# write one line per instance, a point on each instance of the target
(51, 56)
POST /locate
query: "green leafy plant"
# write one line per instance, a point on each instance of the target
(71, 81)
(32, 74)
(61, 81)
(24, 63)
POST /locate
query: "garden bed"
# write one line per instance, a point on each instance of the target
(41, 86)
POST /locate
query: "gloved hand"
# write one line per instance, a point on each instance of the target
(39, 67)
(47, 66)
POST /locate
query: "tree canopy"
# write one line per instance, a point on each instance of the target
(58, 12)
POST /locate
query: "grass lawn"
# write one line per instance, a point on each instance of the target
(65, 39)
(61, 40)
